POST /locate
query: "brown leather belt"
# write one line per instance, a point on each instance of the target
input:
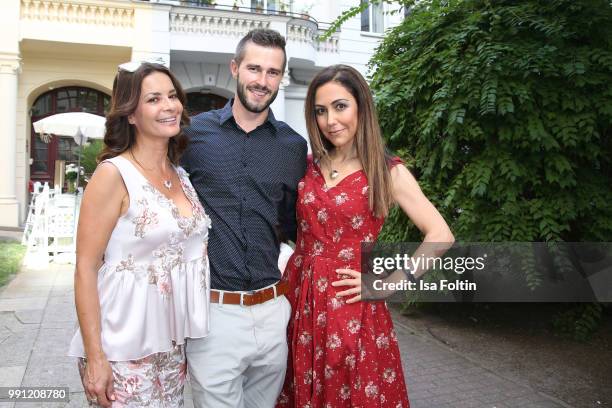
(249, 298)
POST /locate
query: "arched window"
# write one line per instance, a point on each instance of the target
(60, 100)
(198, 102)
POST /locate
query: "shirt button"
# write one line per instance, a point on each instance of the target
(244, 199)
(244, 164)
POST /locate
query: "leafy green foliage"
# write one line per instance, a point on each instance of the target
(356, 10)
(89, 154)
(503, 111)
(579, 322)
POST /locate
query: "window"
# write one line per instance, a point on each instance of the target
(67, 150)
(198, 102)
(372, 18)
(88, 100)
(42, 105)
(270, 6)
(68, 99)
(197, 3)
(39, 157)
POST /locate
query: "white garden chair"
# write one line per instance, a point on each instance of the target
(61, 218)
(38, 237)
(29, 224)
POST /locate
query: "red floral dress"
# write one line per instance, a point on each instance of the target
(340, 355)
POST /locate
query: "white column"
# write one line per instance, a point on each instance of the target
(278, 106)
(153, 25)
(10, 67)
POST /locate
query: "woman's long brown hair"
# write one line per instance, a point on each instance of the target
(368, 138)
(120, 135)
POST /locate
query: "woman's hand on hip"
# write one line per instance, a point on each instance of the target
(353, 280)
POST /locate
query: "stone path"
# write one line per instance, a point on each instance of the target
(38, 319)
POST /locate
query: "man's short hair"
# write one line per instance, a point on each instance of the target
(263, 37)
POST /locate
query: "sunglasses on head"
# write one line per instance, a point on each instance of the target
(133, 66)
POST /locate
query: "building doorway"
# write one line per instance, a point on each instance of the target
(198, 102)
(60, 100)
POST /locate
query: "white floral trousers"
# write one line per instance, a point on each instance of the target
(153, 381)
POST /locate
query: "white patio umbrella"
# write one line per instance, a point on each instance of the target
(80, 125)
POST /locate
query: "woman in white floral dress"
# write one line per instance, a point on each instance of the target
(142, 276)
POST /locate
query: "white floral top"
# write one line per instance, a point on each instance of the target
(154, 285)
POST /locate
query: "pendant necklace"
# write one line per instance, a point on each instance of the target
(165, 182)
(333, 173)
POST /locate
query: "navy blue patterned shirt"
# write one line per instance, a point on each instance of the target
(247, 183)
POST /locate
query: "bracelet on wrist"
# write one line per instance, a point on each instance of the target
(411, 276)
(409, 273)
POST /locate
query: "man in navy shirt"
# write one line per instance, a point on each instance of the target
(245, 166)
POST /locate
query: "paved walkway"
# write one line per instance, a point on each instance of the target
(37, 321)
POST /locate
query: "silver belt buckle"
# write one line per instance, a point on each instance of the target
(246, 292)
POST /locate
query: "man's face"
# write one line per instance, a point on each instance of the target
(258, 75)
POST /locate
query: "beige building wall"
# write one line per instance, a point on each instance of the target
(48, 65)
(10, 68)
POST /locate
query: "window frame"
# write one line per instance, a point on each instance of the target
(369, 13)
(52, 151)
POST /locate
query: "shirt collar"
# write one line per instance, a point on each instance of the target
(226, 114)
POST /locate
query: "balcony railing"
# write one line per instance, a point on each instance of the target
(199, 17)
(259, 10)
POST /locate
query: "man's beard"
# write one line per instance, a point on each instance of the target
(241, 90)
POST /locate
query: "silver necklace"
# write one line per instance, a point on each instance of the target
(165, 182)
(333, 173)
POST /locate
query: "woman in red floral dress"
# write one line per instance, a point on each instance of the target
(344, 352)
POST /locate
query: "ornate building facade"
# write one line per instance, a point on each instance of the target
(62, 55)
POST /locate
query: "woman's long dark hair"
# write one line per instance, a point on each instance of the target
(120, 135)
